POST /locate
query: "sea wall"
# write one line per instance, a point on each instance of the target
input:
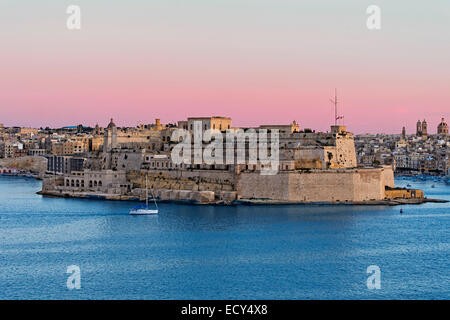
(220, 182)
(335, 185)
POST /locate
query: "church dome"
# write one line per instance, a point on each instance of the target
(111, 124)
(442, 127)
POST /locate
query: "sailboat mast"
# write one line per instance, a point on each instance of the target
(146, 191)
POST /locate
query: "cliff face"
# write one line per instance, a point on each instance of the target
(36, 165)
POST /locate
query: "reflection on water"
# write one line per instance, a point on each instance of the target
(218, 252)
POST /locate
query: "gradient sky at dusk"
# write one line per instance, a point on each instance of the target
(257, 61)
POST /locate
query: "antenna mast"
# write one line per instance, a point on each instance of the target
(335, 102)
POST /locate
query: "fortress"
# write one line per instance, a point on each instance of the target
(312, 167)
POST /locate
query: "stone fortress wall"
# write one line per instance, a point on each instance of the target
(333, 185)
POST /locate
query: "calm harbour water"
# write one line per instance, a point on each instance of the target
(207, 252)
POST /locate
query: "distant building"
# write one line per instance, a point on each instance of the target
(110, 136)
(219, 123)
(418, 128)
(424, 128)
(64, 164)
(28, 131)
(442, 127)
(37, 152)
(421, 129)
(404, 133)
(290, 128)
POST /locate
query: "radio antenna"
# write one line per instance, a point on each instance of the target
(335, 102)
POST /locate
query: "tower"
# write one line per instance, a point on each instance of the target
(424, 128)
(418, 128)
(110, 137)
(403, 133)
(97, 129)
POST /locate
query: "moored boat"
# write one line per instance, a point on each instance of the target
(144, 209)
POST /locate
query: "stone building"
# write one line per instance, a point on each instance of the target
(290, 128)
(421, 129)
(110, 140)
(424, 129)
(219, 123)
(105, 181)
(442, 128)
(64, 164)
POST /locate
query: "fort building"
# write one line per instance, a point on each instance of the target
(312, 167)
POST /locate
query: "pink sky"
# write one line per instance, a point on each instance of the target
(256, 62)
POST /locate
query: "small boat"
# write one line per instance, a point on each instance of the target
(433, 186)
(144, 209)
(408, 185)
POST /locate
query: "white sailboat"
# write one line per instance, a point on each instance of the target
(142, 210)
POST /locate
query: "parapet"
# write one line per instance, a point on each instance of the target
(338, 129)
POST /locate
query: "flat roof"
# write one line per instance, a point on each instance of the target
(214, 117)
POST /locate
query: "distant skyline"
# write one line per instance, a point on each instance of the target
(258, 62)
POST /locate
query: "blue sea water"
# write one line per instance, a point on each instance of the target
(218, 252)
